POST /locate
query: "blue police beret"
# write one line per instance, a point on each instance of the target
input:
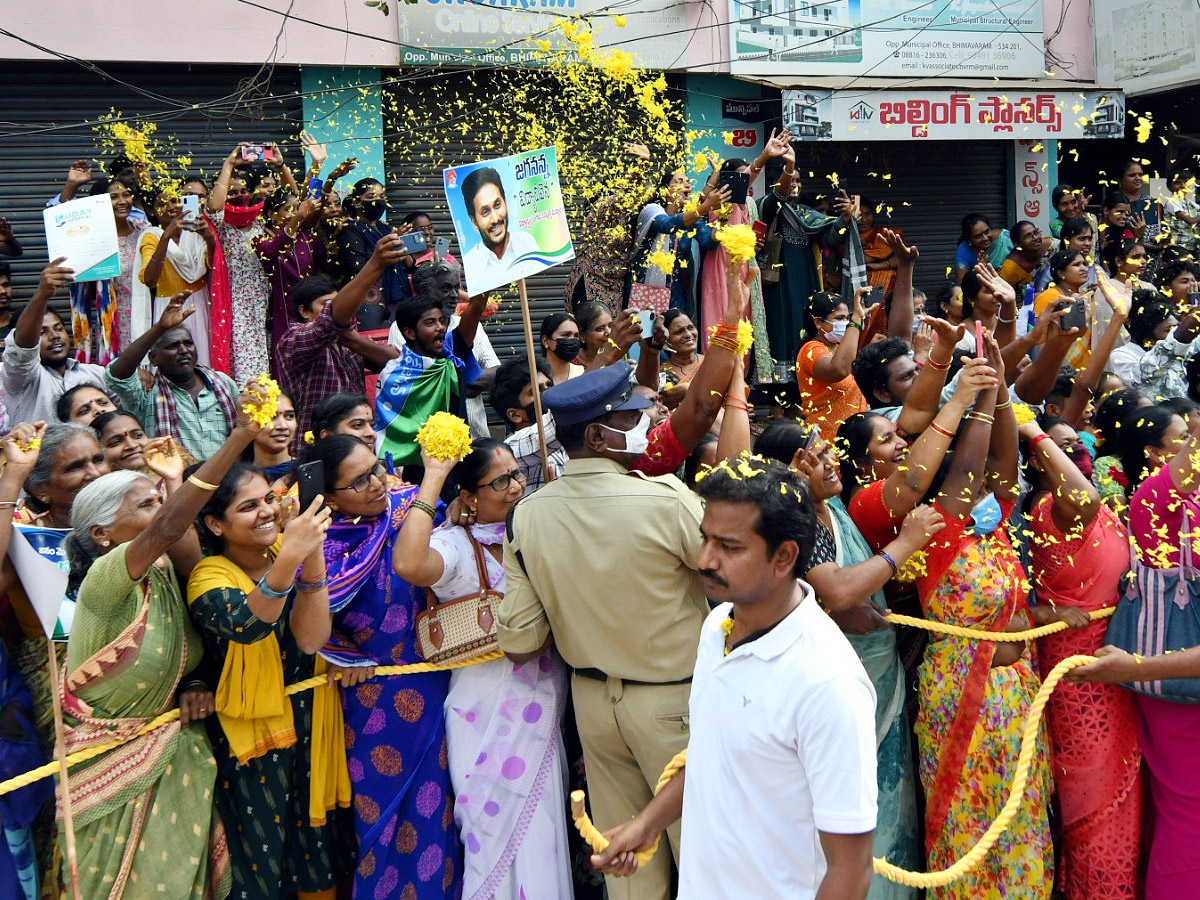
(592, 395)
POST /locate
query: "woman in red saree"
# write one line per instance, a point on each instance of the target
(1080, 556)
(881, 258)
(975, 695)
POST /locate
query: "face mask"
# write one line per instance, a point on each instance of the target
(986, 515)
(567, 349)
(1083, 460)
(636, 439)
(242, 216)
(916, 323)
(373, 209)
(530, 415)
(838, 332)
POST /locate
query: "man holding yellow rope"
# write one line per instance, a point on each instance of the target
(782, 716)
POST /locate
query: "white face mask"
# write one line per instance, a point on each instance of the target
(838, 332)
(636, 439)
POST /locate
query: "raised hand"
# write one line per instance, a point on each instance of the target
(79, 174)
(389, 250)
(714, 200)
(921, 524)
(923, 340)
(165, 459)
(235, 158)
(641, 151)
(19, 447)
(977, 376)
(342, 169)
(905, 253)
(56, 276)
(276, 161)
(998, 286)
(173, 314)
(313, 148)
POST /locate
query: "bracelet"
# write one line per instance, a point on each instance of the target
(887, 558)
(270, 593)
(737, 404)
(9, 504)
(1005, 405)
(717, 340)
(311, 587)
(425, 507)
(1003, 321)
(1037, 439)
(725, 330)
(203, 485)
(939, 367)
(858, 325)
(938, 429)
(980, 417)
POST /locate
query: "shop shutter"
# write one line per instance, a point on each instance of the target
(942, 181)
(40, 134)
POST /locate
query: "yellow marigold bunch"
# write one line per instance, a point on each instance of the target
(263, 413)
(699, 162)
(308, 438)
(728, 136)
(35, 444)
(914, 568)
(745, 338)
(445, 436)
(1023, 413)
(738, 241)
(664, 260)
(692, 206)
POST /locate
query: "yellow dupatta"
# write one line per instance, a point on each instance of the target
(255, 711)
(252, 706)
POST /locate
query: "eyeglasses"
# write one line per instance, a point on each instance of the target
(362, 482)
(502, 483)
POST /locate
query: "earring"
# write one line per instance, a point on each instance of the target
(104, 543)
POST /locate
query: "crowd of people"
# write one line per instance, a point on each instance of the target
(685, 551)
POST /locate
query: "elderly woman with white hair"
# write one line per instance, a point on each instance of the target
(143, 812)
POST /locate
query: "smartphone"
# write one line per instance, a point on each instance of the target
(813, 434)
(1076, 316)
(314, 187)
(310, 480)
(191, 208)
(441, 246)
(252, 152)
(738, 182)
(646, 320)
(979, 340)
(1193, 299)
(414, 242)
(876, 296)
(760, 228)
(268, 154)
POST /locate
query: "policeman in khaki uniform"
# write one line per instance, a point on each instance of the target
(602, 562)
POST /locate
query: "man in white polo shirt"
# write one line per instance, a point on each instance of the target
(778, 797)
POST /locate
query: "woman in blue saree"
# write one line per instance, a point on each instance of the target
(395, 732)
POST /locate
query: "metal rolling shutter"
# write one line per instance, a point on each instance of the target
(414, 182)
(43, 95)
(942, 181)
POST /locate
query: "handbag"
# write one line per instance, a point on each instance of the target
(1159, 612)
(463, 628)
(649, 296)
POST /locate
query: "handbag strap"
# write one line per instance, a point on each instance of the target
(485, 583)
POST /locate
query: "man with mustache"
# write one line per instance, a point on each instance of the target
(782, 715)
(627, 625)
(491, 259)
(187, 401)
(38, 367)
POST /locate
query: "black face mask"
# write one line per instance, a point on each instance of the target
(530, 415)
(567, 349)
(373, 209)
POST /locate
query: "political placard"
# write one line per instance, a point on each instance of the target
(85, 232)
(509, 217)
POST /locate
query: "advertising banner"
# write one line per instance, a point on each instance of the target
(821, 115)
(887, 38)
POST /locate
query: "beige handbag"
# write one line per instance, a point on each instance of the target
(460, 629)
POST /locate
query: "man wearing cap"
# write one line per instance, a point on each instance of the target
(626, 617)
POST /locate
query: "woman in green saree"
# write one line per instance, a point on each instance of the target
(848, 580)
(144, 819)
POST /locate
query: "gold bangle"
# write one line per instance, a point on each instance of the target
(1005, 405)
(980, 417)
(203, 485)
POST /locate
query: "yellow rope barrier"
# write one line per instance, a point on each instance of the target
(1031, 634)
(593, 836)
(969, 861)
(51, 768)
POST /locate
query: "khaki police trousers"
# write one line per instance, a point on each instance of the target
(629, 733)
